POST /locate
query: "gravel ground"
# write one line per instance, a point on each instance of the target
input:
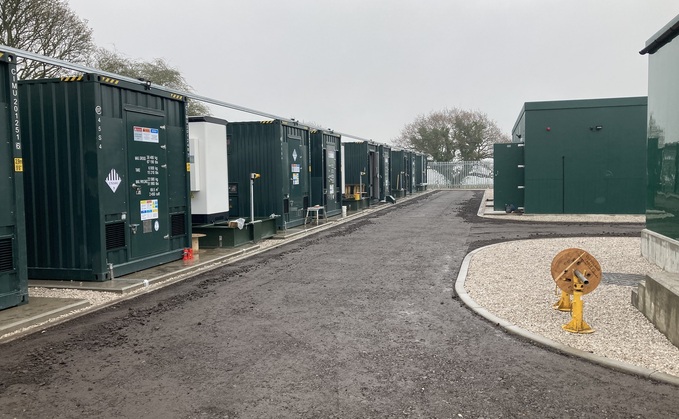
(512, 280)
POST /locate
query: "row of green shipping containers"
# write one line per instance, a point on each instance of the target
(299, 167)
(96, 177)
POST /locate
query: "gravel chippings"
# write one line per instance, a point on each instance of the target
(513, 281)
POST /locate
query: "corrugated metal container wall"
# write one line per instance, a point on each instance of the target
(508, 181)
(586, 156)
(385, 171)
(362, 157)
(13, 272)
(106, 177)
(279, 152)
(326, 171)
(398, 173)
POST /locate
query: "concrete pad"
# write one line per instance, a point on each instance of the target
(37, 310)
(119, 286)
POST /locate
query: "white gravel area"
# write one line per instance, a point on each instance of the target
(513, 281)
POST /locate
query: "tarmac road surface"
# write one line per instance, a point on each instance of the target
(354, 322)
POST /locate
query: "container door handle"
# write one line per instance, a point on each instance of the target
(134, 228)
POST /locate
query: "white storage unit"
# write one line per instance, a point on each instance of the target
(209, 170)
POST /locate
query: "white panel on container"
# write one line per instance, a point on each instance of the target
(212, 168)
(194, 159)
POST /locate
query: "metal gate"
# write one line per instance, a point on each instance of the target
(460, 175)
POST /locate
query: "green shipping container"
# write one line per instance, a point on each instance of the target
(279, 152)
(361, 169)
(13, 265)
(399, 173)
(420, 173)
(508, 177)
(106, 181)
(584, 156)
(326, 171)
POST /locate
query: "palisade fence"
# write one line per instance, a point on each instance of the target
(460, 175)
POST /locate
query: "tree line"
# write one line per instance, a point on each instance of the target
(51, 28)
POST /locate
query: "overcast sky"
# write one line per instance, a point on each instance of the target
(368, 67)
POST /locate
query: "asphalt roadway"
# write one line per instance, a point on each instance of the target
(356, 321)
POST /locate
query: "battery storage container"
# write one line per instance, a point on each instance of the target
(106, 177)
(279, 152)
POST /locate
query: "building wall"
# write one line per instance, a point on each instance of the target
(663, 142)
(584, 156)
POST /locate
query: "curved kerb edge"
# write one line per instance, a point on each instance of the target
(511, 328)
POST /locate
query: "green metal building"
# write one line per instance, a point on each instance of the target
(326, 171)
(13, 264)
(584, 156)
(279, 152)
(106, 177)
(663, 132)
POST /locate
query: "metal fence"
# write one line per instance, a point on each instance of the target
(460, 175)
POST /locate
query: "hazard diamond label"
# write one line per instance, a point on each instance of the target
(113, 180)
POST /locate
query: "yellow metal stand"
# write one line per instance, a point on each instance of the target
(564, 303)
(577, 324)
(576, 273)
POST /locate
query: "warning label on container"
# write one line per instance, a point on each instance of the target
(295, 178)
(113, 180)
(149, 209)
(295, 168)
(146, 135)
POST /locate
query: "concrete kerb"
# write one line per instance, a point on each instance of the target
(543, 341)
(191, 271)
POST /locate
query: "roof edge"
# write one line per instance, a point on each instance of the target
(663, 37)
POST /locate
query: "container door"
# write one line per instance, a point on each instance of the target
(330, 176)
(297, 180)
(147, 156)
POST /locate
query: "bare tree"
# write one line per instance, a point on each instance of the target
(157, 71)
(47, 27)
(452, 134)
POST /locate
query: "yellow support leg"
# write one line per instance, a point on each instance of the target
(564, 303)
(577, 323)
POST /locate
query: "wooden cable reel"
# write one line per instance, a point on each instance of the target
(576, 273)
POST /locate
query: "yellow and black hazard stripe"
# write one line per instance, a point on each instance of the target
(266, 122)
(109, 80)
(72, 78)
(176, 96)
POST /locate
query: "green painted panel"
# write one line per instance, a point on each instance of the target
(279, 152)
(361, 168)
(13, 261)
(326, 171)
(585, 157)
(100, 179)
(662, 197)
(399, 172)
(508, 180)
